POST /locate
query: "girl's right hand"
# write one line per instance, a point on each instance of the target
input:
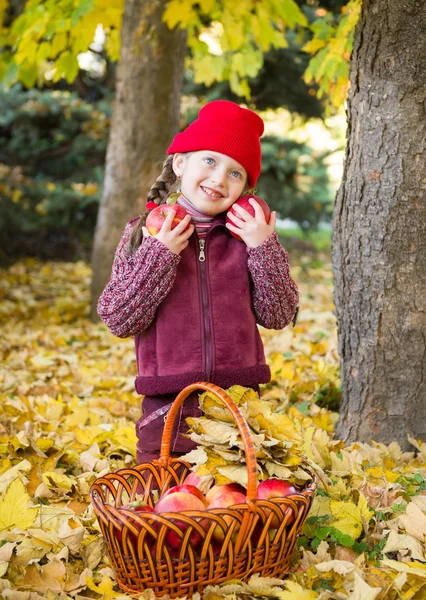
(175, 239)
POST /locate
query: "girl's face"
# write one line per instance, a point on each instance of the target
(210, 180)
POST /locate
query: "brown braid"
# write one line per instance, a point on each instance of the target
(158, 193)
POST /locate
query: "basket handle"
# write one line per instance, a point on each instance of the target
(239, 420)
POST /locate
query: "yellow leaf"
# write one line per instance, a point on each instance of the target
(366, 513)
(238, 474)
(44, 443)
(397, 542)
(362, 591)
(392, 476)
(342, 567)
(350, 517)
(105, 588)
(9, 474)
(178, 12)
(296, 592)
(413, 568)
(6, 552)
(55, 479)
(341, 464)
(314, 45)
(414, 522)
(126, 438)
(13, 508)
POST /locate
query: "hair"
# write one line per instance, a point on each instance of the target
(160, 190)
(163, 186)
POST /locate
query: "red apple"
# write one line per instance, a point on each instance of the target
(202, 483)
(218, 490)
(179, 502)
(192, 479)
(275, 488)
(186, 489)
(224, 499)
(156, 217)
(243, 201)
(138, 506)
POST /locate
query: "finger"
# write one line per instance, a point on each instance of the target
(273, 219)
(167, 223)
(183, 224)
(146, 232)
(234, 228)
(241, 212)
(187, 233)
(259, 215)
(235, 218)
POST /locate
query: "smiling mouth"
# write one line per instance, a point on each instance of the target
(211, 193)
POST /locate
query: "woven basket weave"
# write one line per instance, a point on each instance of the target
(138, 543)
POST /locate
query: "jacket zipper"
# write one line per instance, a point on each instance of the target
(205, 299)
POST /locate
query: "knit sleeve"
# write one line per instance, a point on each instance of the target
(275, 294)
(139, 283)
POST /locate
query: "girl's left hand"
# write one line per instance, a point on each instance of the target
(252, 230)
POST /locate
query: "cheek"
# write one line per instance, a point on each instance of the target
(238, 187)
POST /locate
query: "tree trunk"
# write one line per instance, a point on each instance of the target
(145, 119)
(379, 223)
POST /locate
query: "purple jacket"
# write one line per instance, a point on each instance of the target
(194, 319)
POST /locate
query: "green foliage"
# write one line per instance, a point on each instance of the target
(52, 150)
(278, 84)
(227, 40)
(295, 182)
(49, 35)
(331, 46)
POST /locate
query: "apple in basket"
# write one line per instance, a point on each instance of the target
(202, 483)
(157, 216)
(225, 496)
(192, 479)
(276, 488)
(138, 506)
(219, 490)
(243, 201)
(178, 502)
(186, 489)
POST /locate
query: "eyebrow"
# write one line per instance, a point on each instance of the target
(213, 154)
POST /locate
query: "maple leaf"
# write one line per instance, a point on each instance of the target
(350, 517)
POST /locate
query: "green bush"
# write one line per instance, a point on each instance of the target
(52, 151)
(295, 182)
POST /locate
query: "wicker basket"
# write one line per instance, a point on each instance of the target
(138, 543)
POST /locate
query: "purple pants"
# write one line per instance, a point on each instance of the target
(149, 435)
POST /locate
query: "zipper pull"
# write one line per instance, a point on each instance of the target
(202, 256)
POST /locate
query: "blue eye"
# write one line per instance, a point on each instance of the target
(236, 174)
(209, 161)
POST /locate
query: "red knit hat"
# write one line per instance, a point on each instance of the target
(225, 127)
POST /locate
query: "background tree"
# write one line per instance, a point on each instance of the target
(379, 229)
(145, 117)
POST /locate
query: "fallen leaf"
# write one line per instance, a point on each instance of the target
(14, 511)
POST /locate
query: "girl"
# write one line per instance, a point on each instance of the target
(192, 296)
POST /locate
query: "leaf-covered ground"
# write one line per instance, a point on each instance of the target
(67, 415)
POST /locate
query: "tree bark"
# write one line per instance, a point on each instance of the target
(379, 229)
(145, 119)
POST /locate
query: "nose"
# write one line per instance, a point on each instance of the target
(218, 177)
